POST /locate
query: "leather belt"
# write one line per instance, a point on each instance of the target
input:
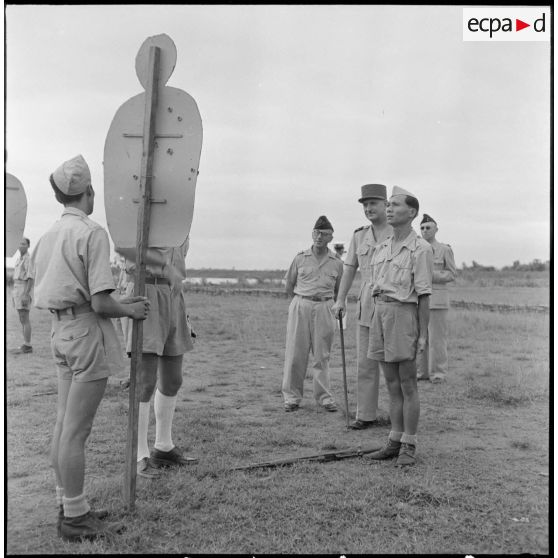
(316, 298)
(71, 312)
(157, 281)
(385, 298)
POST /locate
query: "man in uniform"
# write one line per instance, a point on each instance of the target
(21, 295)
(313, 281)
(433, 364)
(402, 284)
(361, 249)
(166, 337)
(74, 281)
(339, 248)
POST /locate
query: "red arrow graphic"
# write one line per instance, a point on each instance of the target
(519, 25)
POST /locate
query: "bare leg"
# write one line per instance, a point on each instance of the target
(411, 404)
(391, 374)
(25, 326)
(170, 377)
(63, 390)
(81, 406)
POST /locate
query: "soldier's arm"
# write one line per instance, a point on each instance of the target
(423, 319)
(105, 305)
(290, 278)
(448, 274)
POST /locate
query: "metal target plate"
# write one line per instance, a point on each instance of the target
(175, 169)
(16, 213)
(167, 60)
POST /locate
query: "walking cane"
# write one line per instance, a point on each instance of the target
(344, 367)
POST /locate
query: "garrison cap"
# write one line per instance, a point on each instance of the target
(397, 191)
(427, 219)
(72, 177)
(373, 191)
(323, 223)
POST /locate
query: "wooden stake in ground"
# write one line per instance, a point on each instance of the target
(344, 368)
(146, 179)
(151, 160)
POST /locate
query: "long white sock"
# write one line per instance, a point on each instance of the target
(143, 425)
(164, 406)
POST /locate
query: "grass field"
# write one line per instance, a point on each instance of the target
(481, 484)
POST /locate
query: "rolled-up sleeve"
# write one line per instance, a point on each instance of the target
(423, 267)
(351, 258)
(99, 274)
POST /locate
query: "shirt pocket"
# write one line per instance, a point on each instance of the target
(306, 273)
(439, 263)
(402, 273)
(329, 278)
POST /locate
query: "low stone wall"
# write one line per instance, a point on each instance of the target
(233, 291)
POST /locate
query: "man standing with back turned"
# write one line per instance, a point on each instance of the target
(402, 284)
(313, 278)
(361, 250)
(74, 281)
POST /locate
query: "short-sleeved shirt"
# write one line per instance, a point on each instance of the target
(361, 249)
(312, 278)
(22, 268)
(444, 272)
(71, 262)
(405, 273)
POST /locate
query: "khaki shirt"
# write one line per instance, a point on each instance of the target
(22, 268)
(361, 249)
(444, 272)
(175, 256)
(307, 277)
(71, 262)
(406, 273)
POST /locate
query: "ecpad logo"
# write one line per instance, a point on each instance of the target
(506, 24)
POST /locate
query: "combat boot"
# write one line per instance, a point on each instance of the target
(406, 455)
(86, 526)
(390, 449)
(99, 514)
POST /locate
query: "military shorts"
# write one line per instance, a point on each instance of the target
(393, 332)
(85, 347)
(17, 292)
(165, 331)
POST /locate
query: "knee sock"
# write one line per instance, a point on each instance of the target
(409, 439)
(395, 436)
(164, 412)
(143, 425)
(74, 507)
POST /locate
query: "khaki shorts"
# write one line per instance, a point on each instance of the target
(85, 348)
(17, 292)
(394, 332)
(165, 331)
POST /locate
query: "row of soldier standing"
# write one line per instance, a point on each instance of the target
(401, 314)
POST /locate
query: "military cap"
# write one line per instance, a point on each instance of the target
(72, 177)
(373, 191)
(323, 223)
(427, 219)
(397, 191)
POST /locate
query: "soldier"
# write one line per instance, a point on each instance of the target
(21, 295)
(313, 280)
(361, 250)
(402, 284)
(166, 337)
(433, 363)
(74, 281)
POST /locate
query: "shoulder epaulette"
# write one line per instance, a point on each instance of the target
(361, 228)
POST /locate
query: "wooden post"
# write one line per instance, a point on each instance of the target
(139, 286)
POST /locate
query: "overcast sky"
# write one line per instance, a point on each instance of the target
(301, 105)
